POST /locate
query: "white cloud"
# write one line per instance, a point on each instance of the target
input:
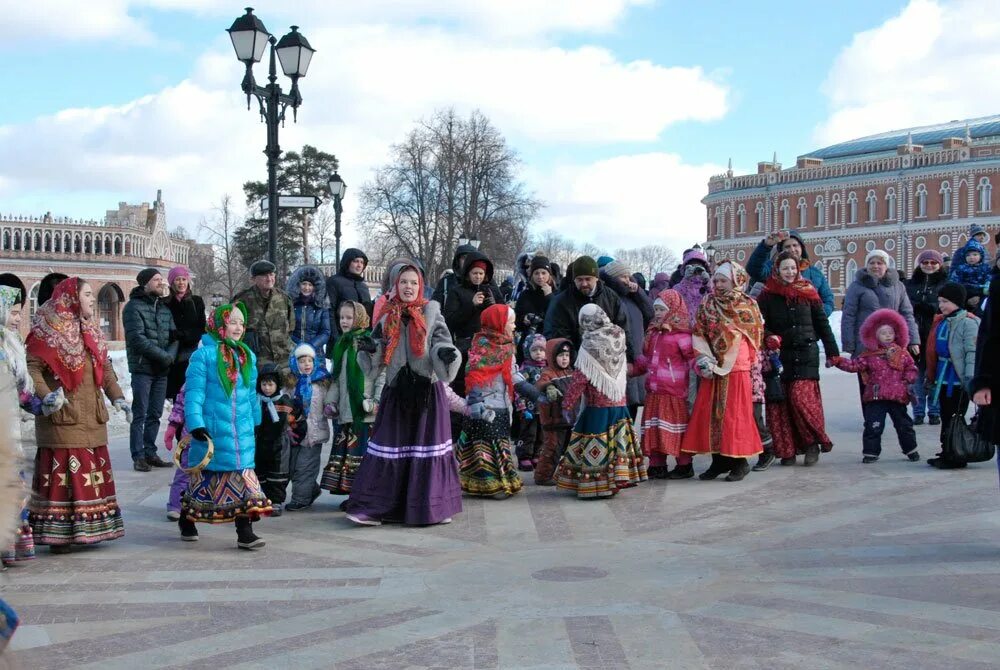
(629, 201)
(931, 63)
(70, 20)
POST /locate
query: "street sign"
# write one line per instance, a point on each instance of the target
(292, 202)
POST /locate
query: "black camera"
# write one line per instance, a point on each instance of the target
(534, 321)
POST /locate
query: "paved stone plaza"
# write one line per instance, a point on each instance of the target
(892, 565)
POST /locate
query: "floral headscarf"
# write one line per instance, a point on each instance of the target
(602, 352)
(677, 319)
(10, 340)
(492, 351)
(234, 359)
(799, 290)
(726, 316)
(396, 313)
(61, 338)
(345, 354)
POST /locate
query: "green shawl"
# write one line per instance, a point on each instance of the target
(230, 351)
(345, 348)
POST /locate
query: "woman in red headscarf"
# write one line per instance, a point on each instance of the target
(484, 450)
(73, 492)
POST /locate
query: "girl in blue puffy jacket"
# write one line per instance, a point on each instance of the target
(222, 405)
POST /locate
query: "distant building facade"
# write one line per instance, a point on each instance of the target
(902, 191)
(107, 253)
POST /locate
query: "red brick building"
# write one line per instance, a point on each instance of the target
(107, 253)
(901, 191)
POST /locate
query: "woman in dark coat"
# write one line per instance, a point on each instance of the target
(534, 299)
(188, 311)
(793, 310)
(348, 284)
(922, 289)
(312, 318)
(986, 382)
(464, 305)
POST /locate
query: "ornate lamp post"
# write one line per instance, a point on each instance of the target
(250, 38)
(337, 189)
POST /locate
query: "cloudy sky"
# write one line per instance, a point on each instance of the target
(620, 109)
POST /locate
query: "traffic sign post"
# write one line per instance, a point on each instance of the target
(292, 202)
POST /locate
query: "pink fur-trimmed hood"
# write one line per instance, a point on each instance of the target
(884, 317)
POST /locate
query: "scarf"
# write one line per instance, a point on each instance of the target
(233, 359)
(396, 313)
(10, 341)
(304, 382)
(799, 290)
(677, 318)
(602, 353)
(345, 349)
(268, 401)
(61, 338)
(491, 352)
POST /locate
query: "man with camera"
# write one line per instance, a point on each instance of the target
(759, 265)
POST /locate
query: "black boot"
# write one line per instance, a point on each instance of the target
(719, 466)
(740, 469)
(763, 462)
(681, 472)
(657, 472)
(189, 532)
(245, 539)
(812, 455)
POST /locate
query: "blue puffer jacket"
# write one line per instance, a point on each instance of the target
(229, 421)
(312, 318)
(759, 269)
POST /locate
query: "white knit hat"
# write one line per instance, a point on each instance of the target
(877, 253)
(305, 350)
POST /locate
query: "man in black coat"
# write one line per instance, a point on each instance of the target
(563, 316)
(347, 284)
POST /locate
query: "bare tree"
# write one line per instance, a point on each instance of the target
(449, 178)
(648, 260)
(323, 229)
(228, 273)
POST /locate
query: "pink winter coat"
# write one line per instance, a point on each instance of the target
(887, 371)
(667, 358)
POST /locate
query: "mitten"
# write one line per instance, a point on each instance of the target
(368, 405)
(447, 355)
(367, 345)
(53, 402)
(552, 393)
(330, 411)
(168, 436)
(123, 406)
(200, 434)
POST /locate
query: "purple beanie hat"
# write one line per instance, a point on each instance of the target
(178, 271)
(695, 255)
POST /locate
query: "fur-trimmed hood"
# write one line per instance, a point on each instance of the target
(884, 317)
(311, 274)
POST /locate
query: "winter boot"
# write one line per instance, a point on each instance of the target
(918, 421)
(763, 462)
(812, 455)
(741, 468)
(189, 532)
(788, 461)
(681, 472)
(935, 420)
(718, 467)
(245, 538)
(657, 472)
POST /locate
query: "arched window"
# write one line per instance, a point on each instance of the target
(803, 213)
(985, 195)
(77, 244)
(57, 243)
(33, 299)
(759, 211)
(852, 269)
(890, 204)
(852, 207)
(786, 216)
(718, 225)
(38, 241)
(17, 240)
(921, 201)
(872, 203)
(107, 245)
(66, 247)
(86, 244)
(835, 208)
(945, 192)
(48, 242)
(741, 218)
(820, 206)
(6, 240)
(118, 245)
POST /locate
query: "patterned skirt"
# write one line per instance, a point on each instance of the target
(603, 455)
(73, 497)
(219, 497)
(664, 422)
(485, 463)
(345, 459)
(798, 421)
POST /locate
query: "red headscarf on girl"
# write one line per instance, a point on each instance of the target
(492, 350)
(396, 312)
(61, 338)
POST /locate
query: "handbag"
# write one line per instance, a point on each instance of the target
(963, 443)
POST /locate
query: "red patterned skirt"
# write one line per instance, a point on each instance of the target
(73, 498)
(798, 421)
(664, 422)
(736, 433)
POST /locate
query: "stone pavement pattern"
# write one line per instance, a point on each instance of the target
(839, 566)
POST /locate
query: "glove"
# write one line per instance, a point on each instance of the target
(367, 345)
(368, 405)
(123, 406)
(53, 402)
(169, 435)
(200, 434)
(480, 412)
(330, 411)
(489, 415)
(704, 366)
(448, 355)
(552, 393)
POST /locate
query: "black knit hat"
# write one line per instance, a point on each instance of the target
(144, 276)
(953, 292)
(539, 263)
(262, 268)
(584, 266)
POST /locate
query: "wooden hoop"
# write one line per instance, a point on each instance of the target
(185, 443)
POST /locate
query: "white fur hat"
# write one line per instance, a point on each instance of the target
(877, 253)
(305, 350)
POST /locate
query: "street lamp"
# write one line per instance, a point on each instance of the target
(337, 189)
(250, 38)
(216, 300)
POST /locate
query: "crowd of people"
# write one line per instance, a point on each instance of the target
(425, 395)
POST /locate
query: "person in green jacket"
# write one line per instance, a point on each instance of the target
(270, 317)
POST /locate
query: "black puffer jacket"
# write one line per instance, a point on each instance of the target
(563, 317)
(922, 290)
(800, 325)
(189, 320)
(150, 340)
(452, 278)
(532, 301)
(347, 286)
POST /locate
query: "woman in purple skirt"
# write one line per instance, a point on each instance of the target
(409, 473)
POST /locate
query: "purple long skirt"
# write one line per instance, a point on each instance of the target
(409, 473)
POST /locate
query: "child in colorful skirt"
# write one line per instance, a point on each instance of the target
(409, 473)
(554, 383)
(175, 431)
(603, 455)
(271, 456)
(311, 381)
(484, 448)
(221, 405)
(529, 432)
(667, 358)
(351, 401)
